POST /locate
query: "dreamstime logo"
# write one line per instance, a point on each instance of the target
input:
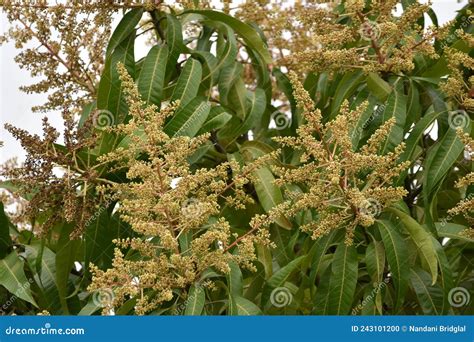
(103, 298)
(369, 30)
(370, 298)
(182, 307)
(281, 120)
(20, 290)
(451, 38)
(459, 296)
(192, 208)
(281, 297)
(458, 119)
(371, 207)
(102, 118)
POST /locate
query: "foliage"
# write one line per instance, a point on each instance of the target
(206, 178)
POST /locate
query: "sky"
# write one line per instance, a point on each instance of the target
(15, 106)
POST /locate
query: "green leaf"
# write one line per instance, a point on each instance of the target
(227, 78)
(370, 298)
(226, 52)
(217, 119)
(415, 135)
(188, 82)
(109, 96)
(5, 239)
(452, 231)
(345, 88)
(343, 279)
(152, 75)
(13, 278)
(100, 232)
(210, 71)
(378, 87)
(255, 105)
(285, 86)
(397, 257)
(321, 299)
(124, 29)
(317, 252)
(280, 277)
(195, 300)
(46, 275)
(440, 160)
(187, 121)
(238, 98)
(396, 107)
(251, 37)
(429, 296)
(174, 39)
(65, 258)
(422, 240)
(90, 308)
(375, 260)
(234, 279)
(269, 194)
(446, 273)
(413, 105)
(243, 307)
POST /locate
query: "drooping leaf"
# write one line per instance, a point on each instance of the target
(317, 252)
(13, 278)
(452, 231)
(429, 296)
(188, 120)
(279, 278)
(218, 118)
(152, 75)
(343, 281)
(65, 258)
(110, 98)
(422, 240)
(124, 28)
(210, 71)
(195, 300)
(397, 257)
(346, 87)
(321, 299)
(378, 87)
(269, 194)
(227, 79)
(255, 105)
(234, 280)
(188, 82)
(396, 108)
(5, 239)
(174, 39)
(415, 135)
(375, 260)
(440, 160)
(446, 275)
(46, 276)
(247, 32)
(243, 307)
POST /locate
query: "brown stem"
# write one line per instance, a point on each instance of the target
(373, 42)
(240, 238)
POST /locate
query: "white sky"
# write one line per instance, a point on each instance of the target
(15, 106)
